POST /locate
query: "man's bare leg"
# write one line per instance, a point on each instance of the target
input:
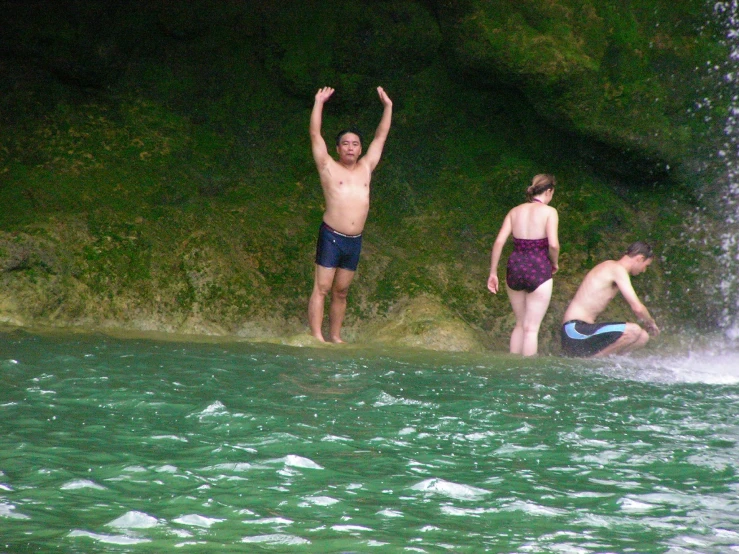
(336, 311)
(324, 278)
(634, 337)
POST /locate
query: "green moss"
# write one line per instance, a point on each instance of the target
(621, 71)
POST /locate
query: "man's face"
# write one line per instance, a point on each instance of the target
(349, 148)
(641, 265)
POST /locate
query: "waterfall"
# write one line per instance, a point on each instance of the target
(726, 74)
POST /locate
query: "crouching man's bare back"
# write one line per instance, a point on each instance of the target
(581, 335)
(346, 190)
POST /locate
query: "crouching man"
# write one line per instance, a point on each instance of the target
(581, 335)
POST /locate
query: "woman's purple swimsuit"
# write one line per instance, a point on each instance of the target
(529, 265)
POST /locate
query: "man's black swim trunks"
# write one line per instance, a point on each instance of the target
(587, 339)
(336, 249)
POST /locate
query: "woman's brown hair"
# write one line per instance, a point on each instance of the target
(539, 184)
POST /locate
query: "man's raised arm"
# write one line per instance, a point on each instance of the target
(372, 158)
(318, 145)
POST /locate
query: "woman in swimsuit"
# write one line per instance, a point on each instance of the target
(531, 265)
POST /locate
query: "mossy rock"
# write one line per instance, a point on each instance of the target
(424, 322)
(622, 74)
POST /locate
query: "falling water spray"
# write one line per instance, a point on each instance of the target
(727, 73)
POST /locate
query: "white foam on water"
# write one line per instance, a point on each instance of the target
(196, 520)
(515, 449)
(350, 528)
(319, 501)
(269, 521)
(292, 460)
(108, 539)
(449, 489)
(216, 409)
(8, 510)
(389, 513)
(232, 466)
(385, 399)
(40, 390)
(276, 539)
(476, 437)
(728, 534)
(712, 368)
(463, 512)
(81, 484)
(534, 509)
(134, 520)
(334, 438)
(168, 437)
(634, 506)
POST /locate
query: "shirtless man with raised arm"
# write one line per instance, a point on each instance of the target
(346, 189)
(581, 336)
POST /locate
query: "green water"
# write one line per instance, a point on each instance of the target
(111, 445)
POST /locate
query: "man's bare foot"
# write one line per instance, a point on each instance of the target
(337, 340)
(319, 338)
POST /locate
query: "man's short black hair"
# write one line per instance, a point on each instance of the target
(349, 130)
(640, 247)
